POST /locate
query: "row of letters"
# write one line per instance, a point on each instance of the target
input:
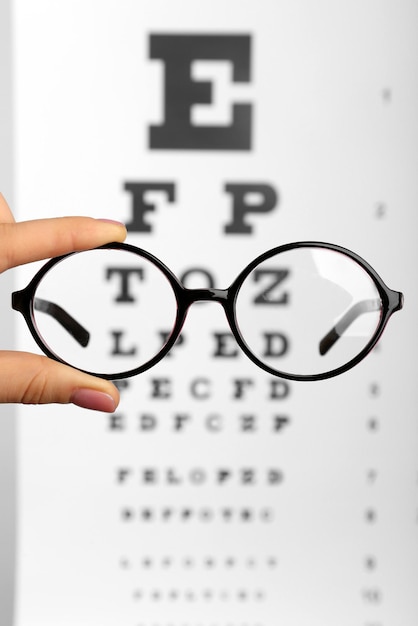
(198, 476)
(183, 422)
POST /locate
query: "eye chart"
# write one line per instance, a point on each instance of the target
(217, 494)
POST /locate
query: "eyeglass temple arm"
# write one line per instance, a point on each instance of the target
(75, 329)
(350, 316)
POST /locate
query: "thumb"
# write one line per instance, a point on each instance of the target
(33, 379)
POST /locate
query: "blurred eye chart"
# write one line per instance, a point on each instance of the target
(218, 494)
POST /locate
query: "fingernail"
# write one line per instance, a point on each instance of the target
(115, 222)
(92, 399)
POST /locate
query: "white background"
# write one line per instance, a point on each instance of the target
(334, 91)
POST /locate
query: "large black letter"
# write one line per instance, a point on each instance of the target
(124, 274)
(181, 92)
(140, 207)
(241, 206)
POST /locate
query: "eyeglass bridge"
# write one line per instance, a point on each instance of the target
(208, 294)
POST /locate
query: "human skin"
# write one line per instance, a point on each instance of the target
(34, 379)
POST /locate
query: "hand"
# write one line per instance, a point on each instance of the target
(35, 379)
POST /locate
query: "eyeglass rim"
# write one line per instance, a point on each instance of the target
(392, 301)
(22, 301)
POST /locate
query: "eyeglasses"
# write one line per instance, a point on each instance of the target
(301, 311)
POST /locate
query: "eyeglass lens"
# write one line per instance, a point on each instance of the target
(305, 311)
(124, 304)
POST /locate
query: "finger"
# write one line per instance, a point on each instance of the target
(25, 242)
(33, 379)
(6, 216)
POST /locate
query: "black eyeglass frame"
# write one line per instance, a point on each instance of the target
(391, 301)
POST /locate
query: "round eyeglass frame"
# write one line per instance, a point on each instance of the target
(391, 301)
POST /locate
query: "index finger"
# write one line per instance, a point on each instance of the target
(25, 242)
(6, 216)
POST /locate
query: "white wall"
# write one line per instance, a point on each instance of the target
(7, 413)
